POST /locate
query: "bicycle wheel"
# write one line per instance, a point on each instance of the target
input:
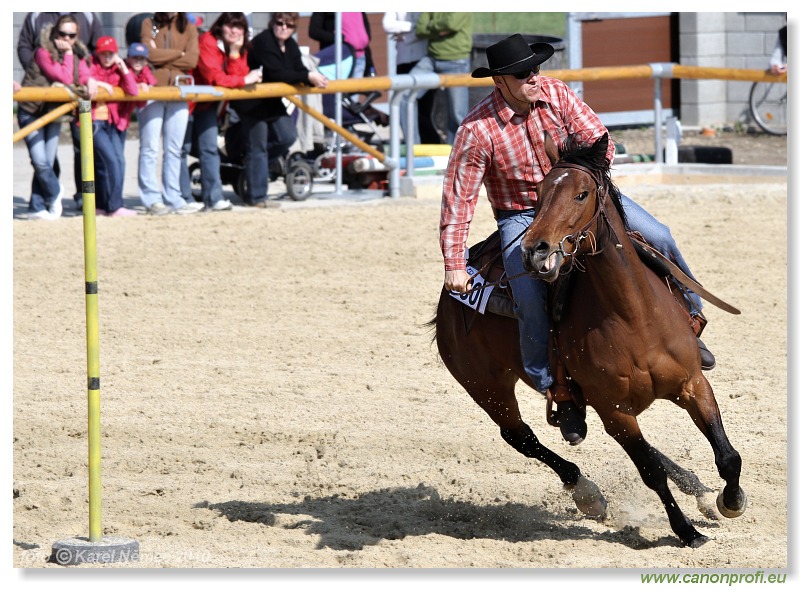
(768, 106)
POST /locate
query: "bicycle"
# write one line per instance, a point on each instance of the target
(768, 106)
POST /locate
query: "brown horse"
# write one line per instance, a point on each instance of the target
(622, 336)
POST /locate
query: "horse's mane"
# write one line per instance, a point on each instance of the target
(594, 158)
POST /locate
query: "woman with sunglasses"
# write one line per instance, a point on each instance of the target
(271, 131)
(60, 58)
(500, 145)
(222, 62)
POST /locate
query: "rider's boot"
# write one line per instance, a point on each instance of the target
(698, 322)
(569, 417)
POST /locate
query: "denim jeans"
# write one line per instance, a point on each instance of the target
(42, 148)
(458, 96)
(205, 132)
(265, 141)
(659, 236)
(109, 159)
(157, 119)
(530, 299)
(186, 150)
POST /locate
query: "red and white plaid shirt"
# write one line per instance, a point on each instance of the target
(504, 151)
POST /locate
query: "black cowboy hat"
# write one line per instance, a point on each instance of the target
(513, 55)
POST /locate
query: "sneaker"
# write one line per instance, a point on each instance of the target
(158, 209)
(190, 208)
(57, 207)
(222, 205)
(44, 214)
(100, 212)
(572, 423)
(123, 212)
(265, 204)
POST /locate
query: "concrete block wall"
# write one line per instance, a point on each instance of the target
(723, 40)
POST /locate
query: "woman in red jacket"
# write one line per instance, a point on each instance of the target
(222, 62)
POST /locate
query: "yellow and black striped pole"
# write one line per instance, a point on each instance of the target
(97, 548)
(92, 323)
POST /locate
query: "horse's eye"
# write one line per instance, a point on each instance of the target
(582, 196)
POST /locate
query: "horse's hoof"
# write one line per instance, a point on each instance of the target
(705, 504)
(699, 541)
(732, 513)
(589, 499)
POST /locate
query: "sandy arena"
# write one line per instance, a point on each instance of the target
(271, 397)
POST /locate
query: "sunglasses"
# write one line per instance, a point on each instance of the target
(526, 75)
(68, 35)
(282, 23)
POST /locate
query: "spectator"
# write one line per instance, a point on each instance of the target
(61, 58)
(410, 49)
(355, 32)
(777, 61)
(90, 30)
(449, 36)
(270, 130)
(222, 62)
(172, 42)
(110, 121)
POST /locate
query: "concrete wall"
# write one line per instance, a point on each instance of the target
(723, 40)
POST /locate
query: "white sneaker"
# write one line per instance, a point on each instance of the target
(158, 208)
(222, 205)
(190, 208)
(44, 214)
(57, 207)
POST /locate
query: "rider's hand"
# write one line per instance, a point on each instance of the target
(457, 280)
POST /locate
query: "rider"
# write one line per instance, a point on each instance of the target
(500, 144)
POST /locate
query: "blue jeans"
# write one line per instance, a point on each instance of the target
(42, 148)
(157, 119)
(659, 236)
(109, 160)
(264, 141)
(186, 149)
(530, 299)
(458, 96)
(205, 132)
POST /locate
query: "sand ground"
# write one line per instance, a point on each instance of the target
(272, 399)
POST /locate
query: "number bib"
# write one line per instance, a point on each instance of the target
(478, 296)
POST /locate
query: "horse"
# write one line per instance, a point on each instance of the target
(621, 338)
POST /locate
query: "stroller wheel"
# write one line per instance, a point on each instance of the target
(240, 186)
(321, 172)
(299, 180)
(195, 180)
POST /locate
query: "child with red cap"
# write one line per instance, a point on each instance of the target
(110, 121)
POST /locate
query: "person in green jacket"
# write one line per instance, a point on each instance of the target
(449, 36)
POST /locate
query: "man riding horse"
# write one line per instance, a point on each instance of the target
(500, 144)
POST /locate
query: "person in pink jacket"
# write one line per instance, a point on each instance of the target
(222, 62)
(110, 121)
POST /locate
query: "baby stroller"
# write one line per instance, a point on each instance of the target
(359, 117)
(232, 141)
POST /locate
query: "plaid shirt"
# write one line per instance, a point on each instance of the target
(504, 151)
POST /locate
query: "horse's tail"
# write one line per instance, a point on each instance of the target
(431, 326)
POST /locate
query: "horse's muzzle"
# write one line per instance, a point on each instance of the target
(543, 260)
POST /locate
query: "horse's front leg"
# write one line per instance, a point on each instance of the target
(702, 407)
(625, 430)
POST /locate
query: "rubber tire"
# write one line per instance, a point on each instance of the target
(299, 180)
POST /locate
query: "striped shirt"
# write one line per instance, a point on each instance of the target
(504, 151)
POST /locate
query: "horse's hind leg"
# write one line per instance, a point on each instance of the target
(702, 407)
(689, 484)
(625, 430)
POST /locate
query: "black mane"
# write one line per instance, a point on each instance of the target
(593, 157)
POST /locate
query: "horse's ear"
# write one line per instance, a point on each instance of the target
(602, 143)
(550, 148)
